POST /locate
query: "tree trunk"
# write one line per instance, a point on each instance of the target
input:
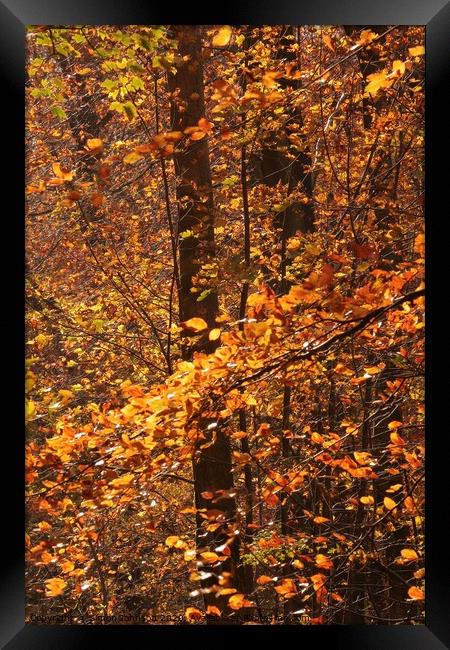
(212, 468)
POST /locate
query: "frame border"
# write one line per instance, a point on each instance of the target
(14, 16)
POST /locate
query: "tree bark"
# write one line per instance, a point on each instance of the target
(212, 467)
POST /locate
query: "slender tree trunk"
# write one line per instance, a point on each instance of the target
(212, 467)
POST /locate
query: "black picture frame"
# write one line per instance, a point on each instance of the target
(14, 16)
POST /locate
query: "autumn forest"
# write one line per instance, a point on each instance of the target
(225, 324)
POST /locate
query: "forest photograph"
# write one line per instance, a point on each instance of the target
(225, 318)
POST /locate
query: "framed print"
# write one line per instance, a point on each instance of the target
(224, 323)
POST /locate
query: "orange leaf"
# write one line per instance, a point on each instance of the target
(328, 42)
(195, 324)
(389, 504)
(237, 601)
(198, 135)
(264, 580)
(213, 610)
(396, 439)
(193, 614)
(94, 144)
(205, 125)
(272, 500)
(409, 554)
(416, 594)
(54, 587)
(67, 566)
(286, 587)
(320, 520)
(61, 172)
(323, 561)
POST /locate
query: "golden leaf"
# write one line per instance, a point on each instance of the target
(94, 144)
(193, 614)
(195, 324)
(419, 50)
(323, 561)
(222, 37)
(237, 601)
(214, 334)
(409, 554)
(54, 587)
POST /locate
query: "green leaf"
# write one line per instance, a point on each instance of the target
(130, 110)
(137, 83)
(59, 112)
(109, 84)
(204, 294)
(116, 106)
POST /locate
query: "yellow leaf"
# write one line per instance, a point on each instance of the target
(122, 481)
(398, 68)
(209, 557)
(30, 409)
(189, 554)
(377, 80)
(132, 157)
(409, 554)
(367, 500)
(54, 587)
(389, 504)
(214, 334)
(195, 324)
(66, 395)
(366, 37)
(416, 594)
(372, 370)
(237, 601)
(419, 50)
(222, 37)
(94, 144)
